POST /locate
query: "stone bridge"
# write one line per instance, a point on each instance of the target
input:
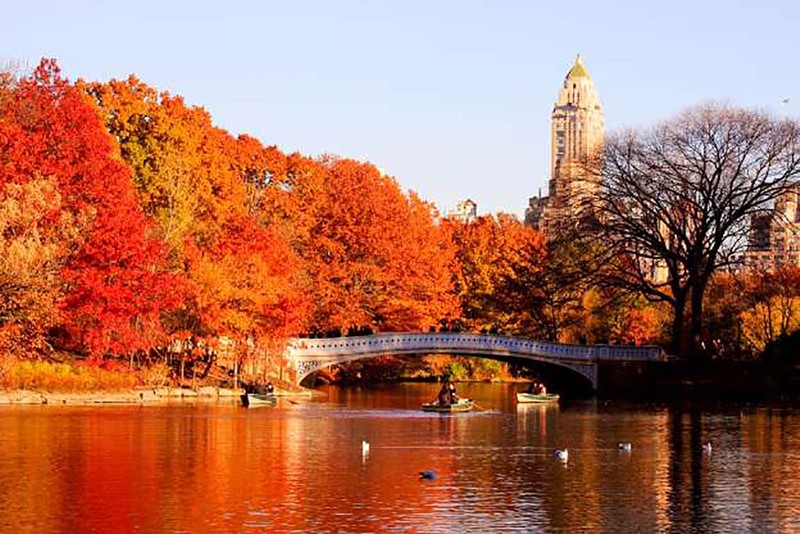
(308, 355)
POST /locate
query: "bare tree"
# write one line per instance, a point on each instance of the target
(676, 202)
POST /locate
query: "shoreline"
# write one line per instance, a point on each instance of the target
(142, 396)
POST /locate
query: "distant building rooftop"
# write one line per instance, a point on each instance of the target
(465, 211)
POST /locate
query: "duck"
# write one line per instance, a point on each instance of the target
(624, 446)
(365, 447)
(427, 475)
(707, 446)
(561, 454)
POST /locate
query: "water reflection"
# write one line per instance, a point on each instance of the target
(533, 418)
(301, 467)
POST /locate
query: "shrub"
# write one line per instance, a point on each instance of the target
(457, 371)
(155, 375)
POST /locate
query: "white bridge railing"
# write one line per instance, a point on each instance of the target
(324, 348)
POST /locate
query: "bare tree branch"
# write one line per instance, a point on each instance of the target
(677, 200)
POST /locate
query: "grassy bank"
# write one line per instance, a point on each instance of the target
(76, 382)
(69, 377)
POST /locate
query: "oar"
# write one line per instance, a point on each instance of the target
(478, 407)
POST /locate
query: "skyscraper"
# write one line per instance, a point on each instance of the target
(576, 133)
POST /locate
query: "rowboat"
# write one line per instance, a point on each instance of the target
(257, 399)
(534, 398)
(462, 405)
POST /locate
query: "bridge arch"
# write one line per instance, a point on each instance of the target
(309, 355)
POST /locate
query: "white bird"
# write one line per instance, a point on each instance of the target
(561, 455)
(624, 447)
(365, 447)
(707, 446)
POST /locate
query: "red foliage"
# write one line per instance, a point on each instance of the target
(115, 284)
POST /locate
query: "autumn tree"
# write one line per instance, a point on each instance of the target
(676, 202)
(514, 281)
(33, 231)
(246, 285)
(544, 285)
(479, 250)
(113, 279)
(375, 257)
(771, 305)
(488, 248)
(419, 266)
(183, 167)
(212, 196)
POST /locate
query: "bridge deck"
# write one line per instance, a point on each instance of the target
(464, 343)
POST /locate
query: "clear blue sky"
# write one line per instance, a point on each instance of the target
(452, 98)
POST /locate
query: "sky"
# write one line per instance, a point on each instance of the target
(450, 97)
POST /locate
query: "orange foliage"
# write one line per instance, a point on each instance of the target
(209, 192)
(172, 230)
(376, 257)
(247, 287)
(500, 279)
(640, 327)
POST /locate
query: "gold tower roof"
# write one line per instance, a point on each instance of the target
(578, 70)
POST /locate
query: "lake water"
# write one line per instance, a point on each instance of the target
(299, 466)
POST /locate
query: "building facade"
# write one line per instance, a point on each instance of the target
(774, 236)
(577, 128)
(465, 211)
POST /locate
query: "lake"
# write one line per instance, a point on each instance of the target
(299, 466)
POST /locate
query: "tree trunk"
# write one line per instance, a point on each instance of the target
(696, 324)
(679, 307)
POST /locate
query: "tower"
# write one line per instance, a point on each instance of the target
(576, 134)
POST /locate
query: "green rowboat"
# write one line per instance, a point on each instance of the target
(251, 400)
(463, 405)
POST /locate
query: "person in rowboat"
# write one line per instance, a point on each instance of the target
(448, 395)
(270, 389)
(444, 394)
(537, 388)
(452, 391)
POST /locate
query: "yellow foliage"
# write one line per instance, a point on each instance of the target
(44, 376)
(766, 321)
(35, 238)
